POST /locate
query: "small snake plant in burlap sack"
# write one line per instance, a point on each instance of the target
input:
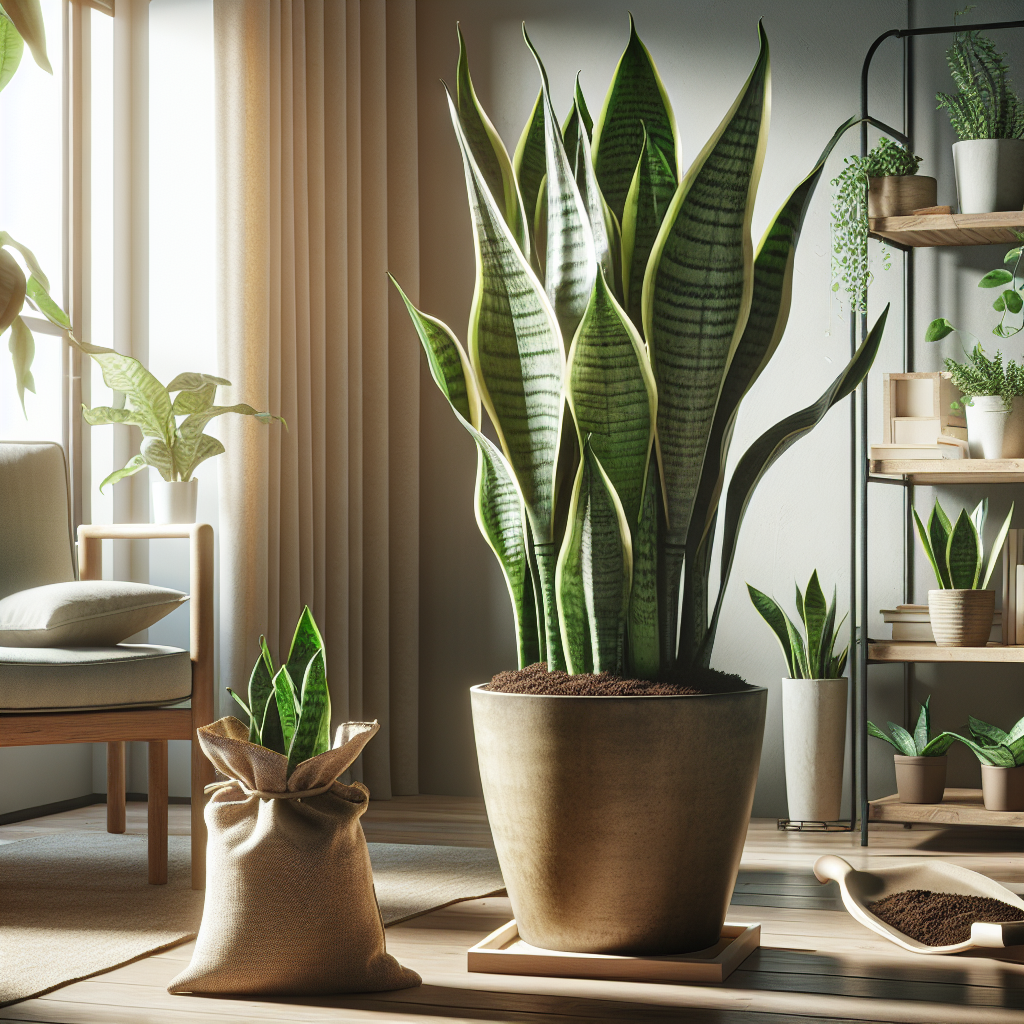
(290, 907)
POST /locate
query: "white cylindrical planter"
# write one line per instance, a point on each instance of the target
(987, 417)
(174, 502)
(814, 736)
(989, 174)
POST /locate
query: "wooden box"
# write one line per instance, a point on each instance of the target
(503, 952)
(916, 408)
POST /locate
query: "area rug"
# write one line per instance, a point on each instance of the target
(77, 904)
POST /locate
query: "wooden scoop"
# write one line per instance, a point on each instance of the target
(859, 888)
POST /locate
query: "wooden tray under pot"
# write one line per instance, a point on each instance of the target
(503, 952)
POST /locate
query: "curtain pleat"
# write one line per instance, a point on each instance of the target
(316, 105)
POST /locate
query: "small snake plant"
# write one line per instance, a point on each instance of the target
(956, 551)
(993, 746)
(817, 658)
(921, 743)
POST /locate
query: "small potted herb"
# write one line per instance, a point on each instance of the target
(920, 758)
(989, 123)
(961, 610)
(885, 183)
(813, 702)
(1002, 764)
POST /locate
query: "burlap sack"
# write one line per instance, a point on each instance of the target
(290, 907)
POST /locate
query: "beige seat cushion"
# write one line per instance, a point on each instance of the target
(91, 678)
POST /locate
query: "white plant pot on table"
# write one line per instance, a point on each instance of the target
(989, 174)
(987, 418)
(814, 738)
(174, 502)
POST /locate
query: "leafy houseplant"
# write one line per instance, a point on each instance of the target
(920, 758)
(1002, 763)
(850, 213)
(817, 659)
(290, 709)
(619, 317)
(961, 609)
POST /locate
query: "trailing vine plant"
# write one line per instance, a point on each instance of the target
(850, 216)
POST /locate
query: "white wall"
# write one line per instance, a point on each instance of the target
(799, 517)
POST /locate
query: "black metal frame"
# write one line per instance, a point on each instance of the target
(859, 475)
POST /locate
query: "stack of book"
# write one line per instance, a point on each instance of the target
(1013, 588)
(911, 622)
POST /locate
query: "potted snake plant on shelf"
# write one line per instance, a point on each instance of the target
(920, 758)
(619, 317)
(962, 609)
(814, 697)
(1001, 755)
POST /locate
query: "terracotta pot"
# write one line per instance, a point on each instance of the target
(619, 821)
(1002, 788)
(961, 618)
(899, 195)
(814, 741)
(920, 780)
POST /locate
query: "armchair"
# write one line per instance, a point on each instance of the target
(107, 694)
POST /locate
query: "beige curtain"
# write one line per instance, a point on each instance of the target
(317, 194)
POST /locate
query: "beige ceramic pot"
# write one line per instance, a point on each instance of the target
(920, 780)
(961, 618)
(899, 195)
(814, 742)
(619, 821)
(1002, 789)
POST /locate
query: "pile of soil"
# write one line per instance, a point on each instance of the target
(536, 679)
(940, 918)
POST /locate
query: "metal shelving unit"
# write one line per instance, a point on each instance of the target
(906, 234)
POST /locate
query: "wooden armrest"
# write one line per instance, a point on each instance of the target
(137, 531)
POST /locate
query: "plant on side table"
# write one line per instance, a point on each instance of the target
(602, 501)
(814, 700)
(988, 120)
(961, 611)
(1002, 763)
(920, 758)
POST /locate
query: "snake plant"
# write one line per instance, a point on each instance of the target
(956, 550)
(620, 315)
(993, 746)
(919, 744)
(290, 710)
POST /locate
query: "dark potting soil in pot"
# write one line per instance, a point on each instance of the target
(536, 679)
(940, 918)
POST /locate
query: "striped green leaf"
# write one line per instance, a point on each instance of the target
(287, 709)
(963, 554)
(196, 392)
(763, 454)
(796, 643)
(923, 728)
(313, 729)
(644, 655)
(926, 543)
(635, 95)
(647, 201)
(776, 619)
(191, 439)
(261, 686)
(530, 165)
(306, 641)
(939, 529)
(27, 16)
(578, 115)
(997, 548)
(570, 260)
(271, 732)
(903, 739)
(102, 415)
(489, 152)
(130, 468)
(37, 292)
(206, 448)
(814, 613)
(594, 571)
(22, 347)
(986, 733)
(158, 454)
(11, 48)
(612, 395)
(12, 289)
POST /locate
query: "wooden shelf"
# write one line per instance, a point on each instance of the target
(958, 807)
(930, 230)
(951, 471)
(925, 650)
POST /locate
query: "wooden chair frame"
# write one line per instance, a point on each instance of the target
(154, 726)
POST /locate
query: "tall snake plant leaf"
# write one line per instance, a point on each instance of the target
(963, 554)
(22, 347)
(530, 165)
(261, 686)
(979, 516)
(904, 740)
(800, 604)
(696, 297)
(828, 662)
(814, 615)
(579, 115)
(635, 95)
(923, 728)
(517, 353)
(642, 625)
(489, 152)
(647, 201)
(594, 571)
(12, 46)
(570, 261)
(939, 529)
(997, 548)
(499, 505)
(926, 543)
(306, 641)
(285, 701)
(27, 16)
(796, 642)
(612, 395)
(313, 729)
(271, 731)
(776, 619)
(764, 452)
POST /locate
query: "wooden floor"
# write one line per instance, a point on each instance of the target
(816, 963)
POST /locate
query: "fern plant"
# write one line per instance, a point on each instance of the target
(920, 743)
(985, 105)
(290, 710)
(850, 216)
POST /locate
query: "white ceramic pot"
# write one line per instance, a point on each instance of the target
(174, 502)
(814, 737)
(987, 417)
(989, 174)
(1013, 436)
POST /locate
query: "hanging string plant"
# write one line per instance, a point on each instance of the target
(850, 270)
